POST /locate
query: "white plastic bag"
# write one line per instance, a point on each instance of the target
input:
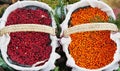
(65, 41)
(4, 40)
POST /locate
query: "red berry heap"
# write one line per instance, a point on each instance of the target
(27, 48)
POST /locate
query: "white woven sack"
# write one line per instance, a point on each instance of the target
(5, 39)
(65, 41)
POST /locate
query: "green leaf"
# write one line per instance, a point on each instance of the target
(116, 22)
(56, 69)
(1, 61)
(59, 15)
(118, 69)
(70, 1)
(111, 20)
(4, 65)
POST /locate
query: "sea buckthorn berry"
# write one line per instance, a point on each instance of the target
(94, 49)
